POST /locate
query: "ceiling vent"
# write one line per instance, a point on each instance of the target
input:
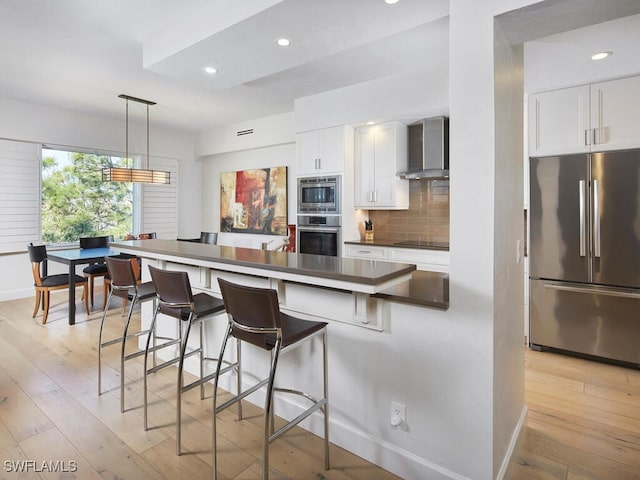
(248, 131)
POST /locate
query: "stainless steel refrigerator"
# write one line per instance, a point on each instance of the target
(585, 254)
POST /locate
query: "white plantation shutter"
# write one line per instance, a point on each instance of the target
(160, 202)
(20, 166)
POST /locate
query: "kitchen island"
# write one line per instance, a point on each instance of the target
(374, 341)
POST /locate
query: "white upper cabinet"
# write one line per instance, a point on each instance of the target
(589, 118)
(615, 114)
(321, 151)
(558, 121)
(380, 154)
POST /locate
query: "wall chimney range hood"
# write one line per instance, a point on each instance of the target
(428, 149)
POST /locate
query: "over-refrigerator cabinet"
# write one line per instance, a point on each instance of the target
(585, 253)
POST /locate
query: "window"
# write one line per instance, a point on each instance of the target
(77, 203)
(56, 196)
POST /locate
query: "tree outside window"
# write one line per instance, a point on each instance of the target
(77, 203)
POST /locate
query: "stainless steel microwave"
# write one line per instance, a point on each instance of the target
(319, 194)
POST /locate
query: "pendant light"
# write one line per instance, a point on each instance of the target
(135, 175)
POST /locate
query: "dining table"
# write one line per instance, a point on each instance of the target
(78, 256)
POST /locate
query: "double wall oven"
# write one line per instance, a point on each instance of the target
(319, 215)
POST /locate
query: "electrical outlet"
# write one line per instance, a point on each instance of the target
(398, 414)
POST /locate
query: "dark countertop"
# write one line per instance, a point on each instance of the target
(429, 289)
(363, 272)
(385, 242)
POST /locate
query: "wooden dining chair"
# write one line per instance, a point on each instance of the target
(44, 284)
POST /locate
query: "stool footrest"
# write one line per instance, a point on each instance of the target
(316, 406)
(239, 397)
(211, 376)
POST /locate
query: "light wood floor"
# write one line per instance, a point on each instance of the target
(50, 411)
(583, 421)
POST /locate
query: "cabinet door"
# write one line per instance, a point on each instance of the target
(331, 149)
(321, 151)
(364, 165)
(307, 153)
(615, 114)
(559, 122)
(390, 191)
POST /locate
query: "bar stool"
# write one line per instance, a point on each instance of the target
(176, 299)
(255, 317)
(123, 274)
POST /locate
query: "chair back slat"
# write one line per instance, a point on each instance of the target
(96, 242)
(122, 272)
(171, 287)
(252, 307)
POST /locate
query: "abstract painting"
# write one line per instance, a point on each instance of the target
(254, 201)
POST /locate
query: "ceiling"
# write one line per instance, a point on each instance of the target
(81, 55)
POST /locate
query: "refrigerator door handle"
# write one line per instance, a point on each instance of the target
(610, 292)
(583, 217)
(596, 219)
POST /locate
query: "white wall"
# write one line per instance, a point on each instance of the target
(54, 126)
(265, 157)
(563, 60)
(404, 97)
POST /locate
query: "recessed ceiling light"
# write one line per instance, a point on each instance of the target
(370, 122)
(391, 2)
(601, 55)
(283, 42)
(210, 70)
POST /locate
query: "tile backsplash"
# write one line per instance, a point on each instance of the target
(426, 219)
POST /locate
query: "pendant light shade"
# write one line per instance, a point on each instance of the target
(135, 175)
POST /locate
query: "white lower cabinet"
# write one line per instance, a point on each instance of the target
(424, 259)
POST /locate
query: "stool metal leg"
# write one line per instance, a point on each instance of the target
(326, 397)
(146, 358)
(100, 343)
(215, 396)
(268, 407)
(122, 352)
(183, 351)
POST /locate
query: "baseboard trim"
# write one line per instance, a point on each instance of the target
(515, 438)
(17, 294)
(386, 455)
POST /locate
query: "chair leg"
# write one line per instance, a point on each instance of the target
(86, 300)
(47, 296)
(91, 285)
(268, 412)
(35, 310)
(104, 316)
(105, 291)
(146, 359)
(183, 351)
(325, 375)
(123, 353)
(215, 396)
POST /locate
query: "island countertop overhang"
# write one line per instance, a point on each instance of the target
(365, 276)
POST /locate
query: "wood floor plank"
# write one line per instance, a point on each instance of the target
(62, 460)
(13, 458)
(101, 447)
(20, 415)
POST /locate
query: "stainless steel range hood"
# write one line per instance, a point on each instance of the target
(428, 150)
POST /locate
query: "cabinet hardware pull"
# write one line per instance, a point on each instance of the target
(583, 236)
(596, 219)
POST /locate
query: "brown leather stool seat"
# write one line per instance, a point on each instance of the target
(255, 317)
